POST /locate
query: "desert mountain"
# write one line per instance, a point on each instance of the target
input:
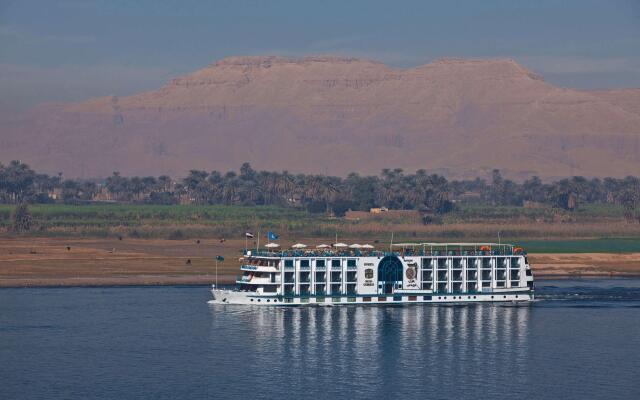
(461, 117)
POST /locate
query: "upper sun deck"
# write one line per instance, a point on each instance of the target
(399, 249)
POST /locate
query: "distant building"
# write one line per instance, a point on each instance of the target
(103, 195)
(55, 194)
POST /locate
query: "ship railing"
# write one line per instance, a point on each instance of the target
(377, 253)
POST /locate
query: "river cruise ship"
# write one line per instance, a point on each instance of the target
(406, 273)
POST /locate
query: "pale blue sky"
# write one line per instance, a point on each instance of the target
(72, 49)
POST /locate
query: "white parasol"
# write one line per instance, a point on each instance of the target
(271, 245)
(355, 246)
(367, 246)
(322, 246)
(340, 245)
(299, 246)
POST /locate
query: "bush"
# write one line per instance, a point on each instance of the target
(340, 207)
(176, 235)
(317, 207)
(21, 218)
(162, 198)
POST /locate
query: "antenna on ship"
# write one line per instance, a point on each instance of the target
(391, 244)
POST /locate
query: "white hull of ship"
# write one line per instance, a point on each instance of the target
(225, 296)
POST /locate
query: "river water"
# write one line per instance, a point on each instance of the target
(581, 340)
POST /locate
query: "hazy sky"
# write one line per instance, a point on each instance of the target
(72, 49)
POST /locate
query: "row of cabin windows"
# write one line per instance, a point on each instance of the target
(441, 263)
(367, 299)
(321, 289)
(305, 263)
(428, 269)
(320, 276)
(471, 274)
(336, 276)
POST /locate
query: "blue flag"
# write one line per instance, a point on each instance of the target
(272, 236)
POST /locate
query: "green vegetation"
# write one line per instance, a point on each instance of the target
(597, 228)
(544, 213)
(225, 205)
(602, 245)
(430, 194)
(21, 219)
(160, 221)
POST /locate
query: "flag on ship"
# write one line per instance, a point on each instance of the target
(272, 236)
(248, 235)
(219, 258)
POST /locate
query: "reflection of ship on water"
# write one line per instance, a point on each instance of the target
(411, 273)
(358, 343)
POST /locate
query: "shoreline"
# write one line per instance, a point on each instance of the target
(159, 281)
(59, 262)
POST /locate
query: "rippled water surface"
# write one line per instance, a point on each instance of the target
(581, 340)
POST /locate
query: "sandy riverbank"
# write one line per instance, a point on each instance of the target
(83, 262)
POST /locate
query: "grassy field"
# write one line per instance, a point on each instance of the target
(586, 213)
(152, 221)
(601, 245)
(538, 229)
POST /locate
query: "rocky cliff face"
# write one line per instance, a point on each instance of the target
(336, 115)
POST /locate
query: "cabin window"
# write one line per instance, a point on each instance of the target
(336, 289)
(320, 263)
(426, 297)
(351, 289)
(288, 263)
(304, 263)
(335, 263)
(366, 299)
(351, 263)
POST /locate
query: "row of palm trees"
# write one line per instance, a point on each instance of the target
(393, 188)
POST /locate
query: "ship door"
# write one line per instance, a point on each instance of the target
(389, 274)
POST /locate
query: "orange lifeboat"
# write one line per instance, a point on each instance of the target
(485, 248)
